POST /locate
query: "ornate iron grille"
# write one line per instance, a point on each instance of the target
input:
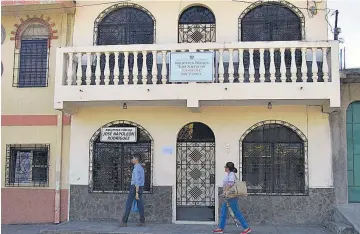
(124, 24)
(110, 166)
(271, 22)
(27, 165)
(32, 64)
(274, 159)
(197, 25)
(195, 167)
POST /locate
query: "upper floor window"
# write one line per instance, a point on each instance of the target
(196, 25)
(128, 24)
(271, 22)
(31, 59)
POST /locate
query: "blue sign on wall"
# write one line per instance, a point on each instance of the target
(191, 67)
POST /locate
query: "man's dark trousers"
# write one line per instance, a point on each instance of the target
(129, 203)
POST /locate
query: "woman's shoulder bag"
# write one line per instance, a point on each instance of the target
(239, 189)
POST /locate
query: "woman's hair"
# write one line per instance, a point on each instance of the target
(231, 167)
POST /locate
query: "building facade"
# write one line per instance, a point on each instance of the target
(34, 137)
(189, 89)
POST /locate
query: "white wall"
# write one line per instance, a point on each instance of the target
(166, 14)
(228, 124)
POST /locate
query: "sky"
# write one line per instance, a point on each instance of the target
(349, 22)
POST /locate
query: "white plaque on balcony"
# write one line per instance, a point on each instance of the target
(191, 67)
(122, 134)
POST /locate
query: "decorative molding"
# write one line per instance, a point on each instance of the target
(24, 23)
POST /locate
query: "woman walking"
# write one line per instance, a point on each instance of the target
(229, 181)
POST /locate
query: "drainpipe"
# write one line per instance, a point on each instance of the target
(58, 161)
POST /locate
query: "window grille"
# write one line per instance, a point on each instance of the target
(31, 61)
(197, 25)
(274, 159)
(27, 165)
(110, 166)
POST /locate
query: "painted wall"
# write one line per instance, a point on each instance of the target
(28, 117)
(349, 93)
(166, 14)
(228, 124)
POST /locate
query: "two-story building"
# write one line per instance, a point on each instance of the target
(187, 86)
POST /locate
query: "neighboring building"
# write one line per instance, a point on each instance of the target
(34, 136)
(265, 84)
(345, 125)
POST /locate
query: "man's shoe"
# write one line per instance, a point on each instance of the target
(122, 224)
(141, 225)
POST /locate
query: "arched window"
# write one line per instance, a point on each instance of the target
(271, 22)
(124, 24)
(196, 24)
(33, 56)
(274, 158)
(110, 166)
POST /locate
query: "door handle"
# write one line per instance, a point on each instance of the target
(212, 178)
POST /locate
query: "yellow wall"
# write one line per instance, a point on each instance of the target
(227, 123)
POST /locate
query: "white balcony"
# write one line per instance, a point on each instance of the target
(280, 72)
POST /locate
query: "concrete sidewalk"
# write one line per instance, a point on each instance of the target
(103, 227)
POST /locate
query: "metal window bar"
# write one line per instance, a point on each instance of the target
(31, 64)
(110, 166)
(273, 159)
(27, 165)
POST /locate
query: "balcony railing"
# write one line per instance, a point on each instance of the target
(248, 64)
(234, 63)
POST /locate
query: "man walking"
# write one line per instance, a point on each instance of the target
(136, 191)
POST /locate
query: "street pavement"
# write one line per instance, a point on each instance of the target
(104, 227)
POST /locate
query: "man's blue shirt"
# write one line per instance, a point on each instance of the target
(138, 175)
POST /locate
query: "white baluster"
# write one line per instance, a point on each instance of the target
(251, 66)
(144, 68)
(325, 66)
(116, 68)
(241, 66)
(126, 68)
(135, 69)
(79, 70)
(221, 66)
(231, 66)
(97, 69)
(262, 66)
(314, 66)
(163, 68)
(88, 68)
(304, 68)
(283, 65)
(293, 68)
(107, 69)
(272, 65)
(154, 69)
(70, 69)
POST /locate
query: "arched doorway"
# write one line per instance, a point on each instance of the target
(353, 151)
(110, 164)
(273, 156)
(195, 173)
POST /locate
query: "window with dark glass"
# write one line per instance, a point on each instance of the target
(27, 165)
(110, 162)
(197, 25)
(31, 61)
(273, 160)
